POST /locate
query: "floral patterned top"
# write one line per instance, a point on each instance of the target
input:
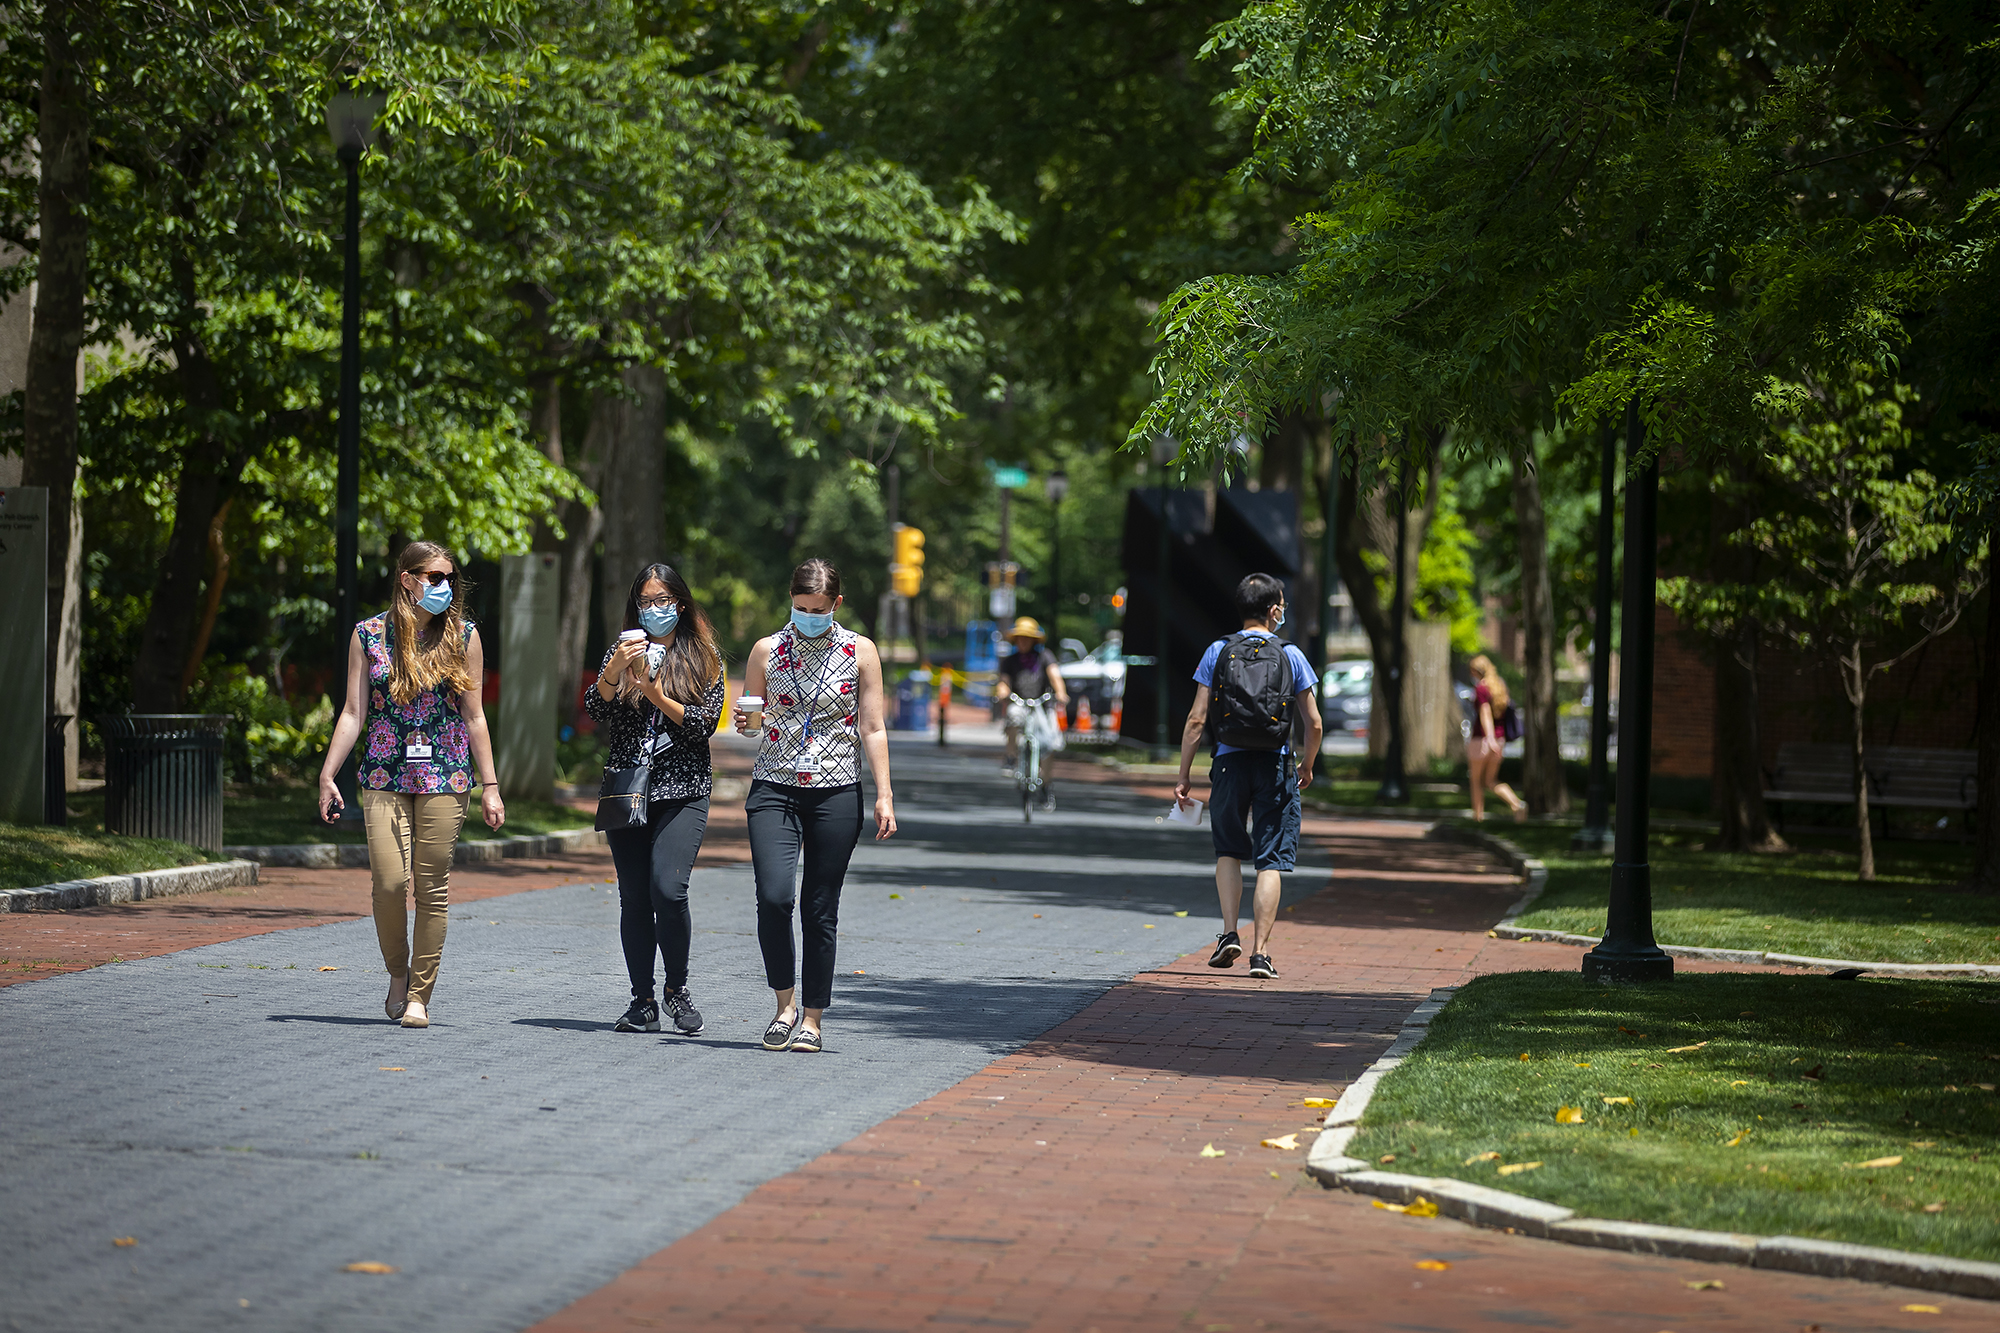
(812, 691)
(681, 767)
(420, 747)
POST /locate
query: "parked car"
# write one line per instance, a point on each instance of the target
(1346, 695)
(1096, 674)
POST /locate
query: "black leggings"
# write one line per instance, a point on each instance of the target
(824, 824)
(653, 864)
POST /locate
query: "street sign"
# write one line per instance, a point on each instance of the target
(1009, 479)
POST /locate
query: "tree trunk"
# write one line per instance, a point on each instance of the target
(1857, 697)
(634, 489)
(218, 579)
(170, 620)
(1739, 779)
(1542, 784)
(1986, 833)
(1737, 771)
(62, 280)
(1365, 523)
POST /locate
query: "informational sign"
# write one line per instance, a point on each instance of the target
(524, 732)
(1009, 479)
(24, 614)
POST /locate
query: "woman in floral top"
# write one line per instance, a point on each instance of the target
(413, 679)
(658, 699)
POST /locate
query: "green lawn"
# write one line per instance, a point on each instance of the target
(1780, 1119)
(272, 816)
(1803, 902)
(33, 855)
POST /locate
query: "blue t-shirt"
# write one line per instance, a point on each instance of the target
(1302, 676)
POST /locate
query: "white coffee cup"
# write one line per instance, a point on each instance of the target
(627, 635)
(752, 706)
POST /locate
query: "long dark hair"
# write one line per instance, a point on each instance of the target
(693, 661)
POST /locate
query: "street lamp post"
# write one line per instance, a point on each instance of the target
(1595, 834)
(350, 121)
(1055, 487)
(1628, 951)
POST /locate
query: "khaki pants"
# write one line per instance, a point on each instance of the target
(410, 842)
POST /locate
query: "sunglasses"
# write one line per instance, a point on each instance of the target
(435, 577)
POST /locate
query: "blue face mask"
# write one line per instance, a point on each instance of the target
(436, 598)
(812, 624)
(1279, 623)
(659, 621)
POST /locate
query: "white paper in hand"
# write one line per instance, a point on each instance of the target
(1189, 814)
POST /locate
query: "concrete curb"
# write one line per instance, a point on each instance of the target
(108, 889)
(1537, 877)
(330, 855)
(1485, 1206)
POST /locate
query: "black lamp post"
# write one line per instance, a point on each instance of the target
(1628, 951)
(1056, 487)
(1395, 789)
(1595, 835)
(350, 120)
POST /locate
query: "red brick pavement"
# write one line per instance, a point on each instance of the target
(1062, 1188)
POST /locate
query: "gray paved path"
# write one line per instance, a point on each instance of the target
(229, 1108)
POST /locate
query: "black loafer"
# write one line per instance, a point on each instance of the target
(778, 1036)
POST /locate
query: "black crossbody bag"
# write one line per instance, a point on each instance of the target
(621, 801)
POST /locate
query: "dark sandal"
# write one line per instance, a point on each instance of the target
(807, 1041)
(778, 1036)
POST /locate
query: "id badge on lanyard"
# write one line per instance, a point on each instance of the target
(417, 749)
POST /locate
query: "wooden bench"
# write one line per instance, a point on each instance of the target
(1898, 775)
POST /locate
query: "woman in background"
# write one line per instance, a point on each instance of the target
(1483, 747)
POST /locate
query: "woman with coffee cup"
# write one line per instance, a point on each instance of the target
(413, 687)
(658, 698)
(812, 695)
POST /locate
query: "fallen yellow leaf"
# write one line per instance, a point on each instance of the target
(1516, 1168)
(125, 1242)
(1176, 914)
(1417, 1207)
(1984, 1087)
(1707, 1284)
(369, 1266)
(1317, 1101)
(1922, 1309)
(1433, 1265)
(1583, 1064)
(1682, 1050)
(392, 1069)
(1617, 1101)
(1481, 1157)
(1284, 1142)
(1740, 1083)
(1212, 1151)
(1524, 1055)
(1937, 1207)
(1926, 1143)
(1152, 927)
(1879, 1162)
(1569, 1115)
(1741, 1135)
(329, 969)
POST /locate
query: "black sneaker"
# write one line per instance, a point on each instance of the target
(680, 1008)
(1262, 966)
(1228, 948)
(643, 1016)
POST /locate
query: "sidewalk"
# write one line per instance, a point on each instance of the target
(1063, 1187)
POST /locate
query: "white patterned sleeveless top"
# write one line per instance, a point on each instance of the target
(812, 689)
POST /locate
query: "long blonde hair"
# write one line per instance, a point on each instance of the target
(416, 666)
(1489, 676)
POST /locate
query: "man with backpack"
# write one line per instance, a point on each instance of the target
(1252, 686)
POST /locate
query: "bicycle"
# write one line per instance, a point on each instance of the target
(1036, 726)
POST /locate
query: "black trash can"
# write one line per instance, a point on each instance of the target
(163, 776)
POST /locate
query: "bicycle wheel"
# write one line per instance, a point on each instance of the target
(1029, 779)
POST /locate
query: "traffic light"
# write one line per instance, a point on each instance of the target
(906, 570)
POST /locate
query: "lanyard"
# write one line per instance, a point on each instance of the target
(819, 688)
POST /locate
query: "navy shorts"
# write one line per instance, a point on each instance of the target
(1254, 808)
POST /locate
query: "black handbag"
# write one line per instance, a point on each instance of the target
(621, 801)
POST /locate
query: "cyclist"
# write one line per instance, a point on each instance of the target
(1029, 672)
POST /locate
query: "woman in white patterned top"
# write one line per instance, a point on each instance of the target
(822, 691)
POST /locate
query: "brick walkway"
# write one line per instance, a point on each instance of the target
(1063, 1187)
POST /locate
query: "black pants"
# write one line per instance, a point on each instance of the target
(653, 864)
(786, 824)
